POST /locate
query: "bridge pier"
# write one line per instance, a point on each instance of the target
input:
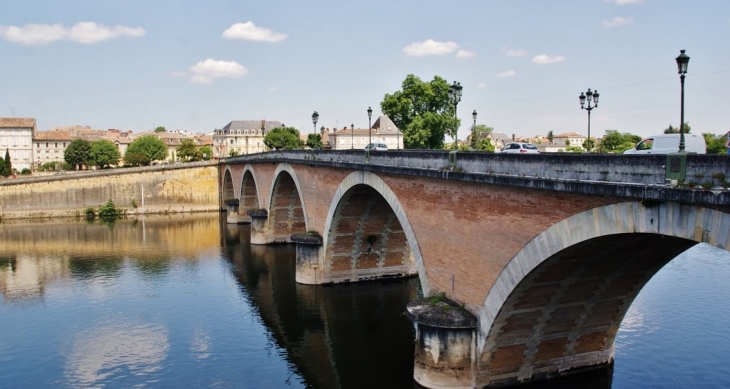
(445, 344)
(258, 225)
(232, 211)
(309, 259)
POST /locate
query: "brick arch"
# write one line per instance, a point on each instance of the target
(249, 194)
(363, 183)
(558, 304)
(228, 192)
(287, 211)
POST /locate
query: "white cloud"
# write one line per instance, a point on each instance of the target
(510, 52)
(91, 33)
(463, 54)
(82, 32)
(624, 2)
(205, 71)
(430, 47)
(617, 21)
(249, 32)
(508, 73)
(544, 59)
(481, 85)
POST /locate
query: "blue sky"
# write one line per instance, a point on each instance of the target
(196, 65)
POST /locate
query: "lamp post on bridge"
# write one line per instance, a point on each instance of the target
(590, 97)
(370, 126)
(455, 98)
(474, 130)
(682, 63)
(352, 136)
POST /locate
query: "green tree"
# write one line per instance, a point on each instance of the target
(281, 138)
(479, 129)
(144, 150)
(423, 111)
(675, 130)
(104, 153)
(160, 129)
(589, 144)
(550, 136)
(616, 142)
(3, 171)
(715, 143)
(188, 152)
(574, 149)
(206, 152)
(314, 141)
(8, 164)
(77, 153)
(485, 145)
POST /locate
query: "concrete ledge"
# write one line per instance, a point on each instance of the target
(441, 314)
(260, 213)
(306, 239)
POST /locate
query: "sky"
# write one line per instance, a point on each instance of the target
(197, 65)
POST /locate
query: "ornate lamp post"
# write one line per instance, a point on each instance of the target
(370, 126)
(590, 97)
(352, 136)
(455, 97)
(682, 63)
(474, 130)
(315, 118)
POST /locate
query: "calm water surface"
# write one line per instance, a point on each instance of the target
(186, 301)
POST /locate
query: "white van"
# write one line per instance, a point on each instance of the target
(669, 143)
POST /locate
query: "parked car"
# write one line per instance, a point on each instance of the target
(669, 143)
(517, 147)
(376, 147)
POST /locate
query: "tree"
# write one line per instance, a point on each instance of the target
(77, 152)
(715, 143)
(574, 149)
(423, 111)
(283, 138)
(675, 130)
(485, 145)
(206, 152)
(104, 153)
(8, 164)
(188, 152)
(314, 141)
(144, 150)
(3, 171)
(550, 136)
(160, 129)
(589, 144)
(616, 142)
(479, 129)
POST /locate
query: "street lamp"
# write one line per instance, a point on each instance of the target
(370, 126)
(591, 97)
(352, 136)
(455, 98)
(682, 63)
(474, 130)
(315, 118)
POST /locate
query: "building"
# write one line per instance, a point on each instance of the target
(49, 146)
(383, 131)
(16, 137)
(242, 137)
(569, 139)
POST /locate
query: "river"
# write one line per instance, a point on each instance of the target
(186, 301)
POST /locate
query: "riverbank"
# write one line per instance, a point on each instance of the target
(189, 187)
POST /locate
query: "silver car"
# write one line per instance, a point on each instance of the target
(376, 147)
(518, 147)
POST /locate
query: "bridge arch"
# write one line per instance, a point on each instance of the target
(249, 194)
(228, 192)
(366, 183)
(559, 302)
(287, 209)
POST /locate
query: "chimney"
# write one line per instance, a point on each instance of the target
(513, 137)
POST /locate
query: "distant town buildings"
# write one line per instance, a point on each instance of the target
(16, 137)
(383, 131)
(242, 137)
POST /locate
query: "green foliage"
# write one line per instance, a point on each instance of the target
(25, 172)
(144, 150)
(485, 145)
(589, 144)
(550, 136)
(281, 138)
(574, 149)
(206, 152)
(109, 211)
(314, 141)
(715, 143)
(616, 142)
(104, 153)
(4, 170)
(48, 167)
(188, 152)
(90, 213)
(675, 130)
(232, 153)
(8, 167)
(423, 112)
(160, 129)
(77, 152)
(479, 129)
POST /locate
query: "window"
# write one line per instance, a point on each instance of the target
(245, 132)
(56, 144)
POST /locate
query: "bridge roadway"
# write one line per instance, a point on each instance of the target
(531, 261)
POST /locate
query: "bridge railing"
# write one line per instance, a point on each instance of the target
(635, 169)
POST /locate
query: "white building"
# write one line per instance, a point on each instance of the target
(16, 136)
(383, 131)
(241, 137)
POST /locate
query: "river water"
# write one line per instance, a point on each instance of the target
(186, 301)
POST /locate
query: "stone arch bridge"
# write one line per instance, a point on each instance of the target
(531, 261)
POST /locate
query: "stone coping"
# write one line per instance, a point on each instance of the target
(261, 213)
(441, 313)
(306, 239)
